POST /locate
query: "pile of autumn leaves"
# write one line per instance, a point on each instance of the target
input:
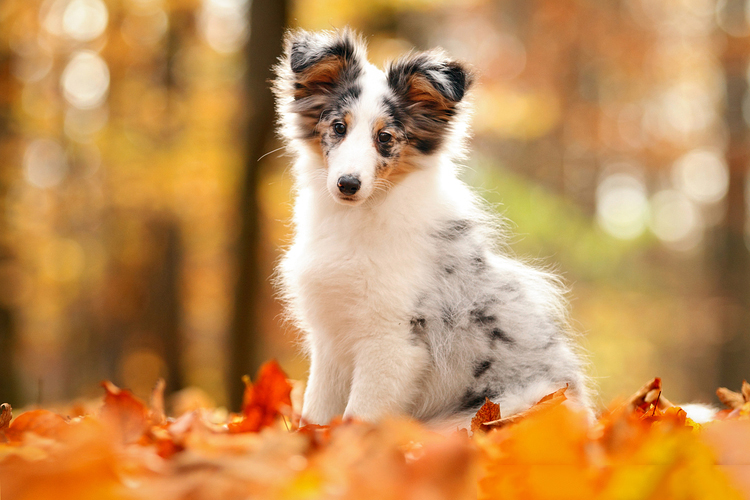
(646, 448)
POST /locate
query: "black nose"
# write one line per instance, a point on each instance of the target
(348, 184)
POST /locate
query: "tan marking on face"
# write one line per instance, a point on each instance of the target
(319, 76)
(393, 169)
(398, 171)
(377, 126)
(421, 90)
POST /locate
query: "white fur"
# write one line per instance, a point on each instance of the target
(354, 272)
(357, 270)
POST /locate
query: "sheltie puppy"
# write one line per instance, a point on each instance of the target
(394, 275)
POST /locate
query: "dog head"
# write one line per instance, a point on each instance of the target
(370, 127)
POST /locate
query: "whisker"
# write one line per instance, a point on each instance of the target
(379, 193)
(270, 152)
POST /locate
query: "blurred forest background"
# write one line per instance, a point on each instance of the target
(139, 230)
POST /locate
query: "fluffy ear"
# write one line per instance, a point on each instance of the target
(429, 87)
(314, 69)
(321, 61)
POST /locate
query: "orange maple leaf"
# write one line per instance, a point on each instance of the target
(648, 396)
(548, 401)
(263, 401)
(489, 412)
(41, 422)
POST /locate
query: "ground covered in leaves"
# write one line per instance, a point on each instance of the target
(642, 448)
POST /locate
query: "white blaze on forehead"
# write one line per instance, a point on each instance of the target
(374, 87)
(368, 106)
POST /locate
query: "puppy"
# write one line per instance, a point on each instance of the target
(394, 274)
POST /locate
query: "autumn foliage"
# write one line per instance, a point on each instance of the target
(642, 448)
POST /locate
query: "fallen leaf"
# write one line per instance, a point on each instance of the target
(545, 455)
(489, 412)
(128, 451)
(548, 401)
(6, 413)
(156, 413)
(265, 400)
(127, 414)
(734, 400)
(40, 422)
(647, 395)
(72, 461)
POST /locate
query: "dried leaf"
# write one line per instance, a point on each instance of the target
(644, 396)
(40, 422)
(199, 456)
(737, 402)
(72, 461)
(541, 457)
(6, 413)
(548, 401)
(156, 414)
(166, 444)
(265, 400)
(555, 398)
(489, 412)
(127, 414)
(648, 395)
(731, 399)
(673, 415)
(319, 435)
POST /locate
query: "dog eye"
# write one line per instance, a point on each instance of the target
(384, 137)
(339, 128)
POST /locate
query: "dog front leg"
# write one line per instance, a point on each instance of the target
(327, 387)
(386, 375)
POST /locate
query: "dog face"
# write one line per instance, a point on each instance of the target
(370, 127)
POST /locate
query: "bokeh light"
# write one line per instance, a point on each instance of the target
(622, 205)
(32, 63)
(45, 164)
(680, 111)
(85, 80)
(85, 20)
(702, 175)
(676, 220)
(51, 15)
(223, 24)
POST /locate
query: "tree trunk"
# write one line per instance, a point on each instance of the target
(8, 388)
(267, 21)
(165, 307)
(731, 254)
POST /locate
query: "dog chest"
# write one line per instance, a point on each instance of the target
(355, 285)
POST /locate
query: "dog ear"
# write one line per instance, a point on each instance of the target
(320, 62)
(314, 70)
(429, 79)
(429, 87)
